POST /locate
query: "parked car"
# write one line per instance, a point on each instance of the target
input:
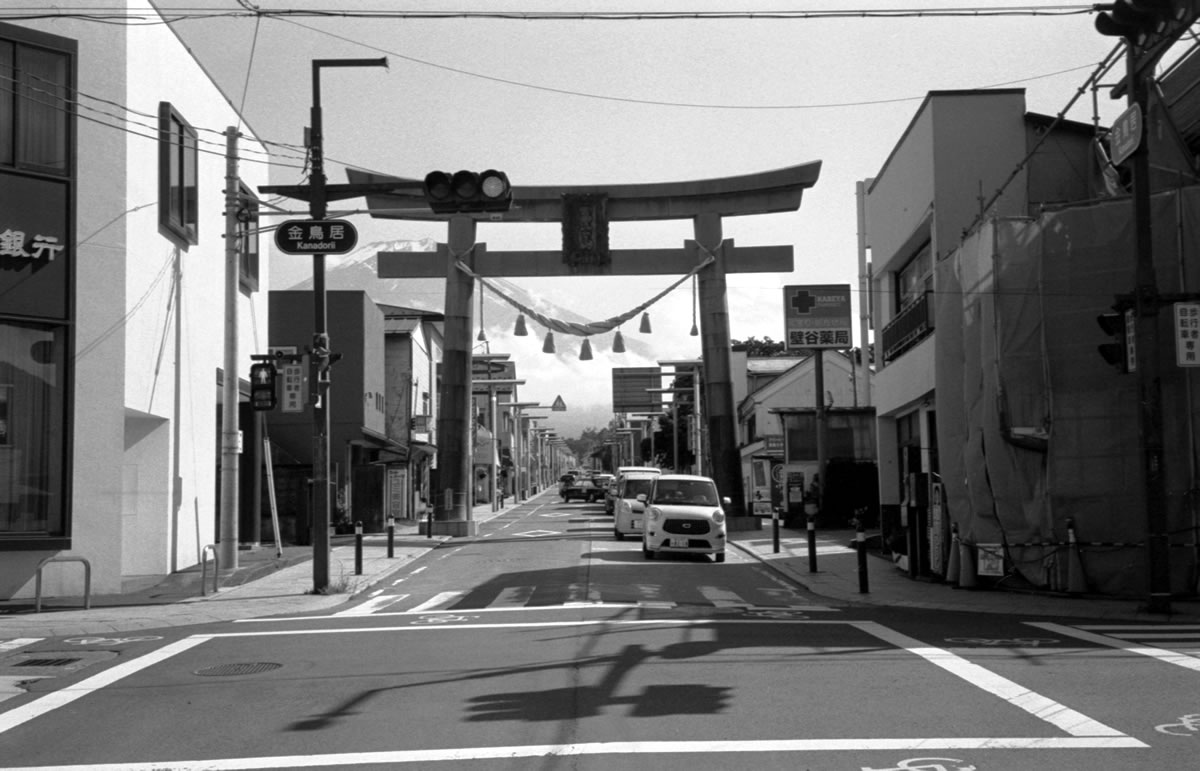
(627, 509)
(610, 498)
(607, 483)
(582, 488)
(683, 514)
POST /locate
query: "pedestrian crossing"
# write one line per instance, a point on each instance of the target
(1177, 644)
(644, 595)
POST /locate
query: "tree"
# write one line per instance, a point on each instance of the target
(761, 348)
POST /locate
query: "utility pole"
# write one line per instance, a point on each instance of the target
(1149, 381)
(228, 549)
(321, 358)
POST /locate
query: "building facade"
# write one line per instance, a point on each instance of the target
(112, 294)
(959, 150)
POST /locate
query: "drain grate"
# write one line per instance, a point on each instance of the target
(251, 668)
(45, 662)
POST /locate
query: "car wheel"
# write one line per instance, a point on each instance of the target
(618, 535)
(720, 556)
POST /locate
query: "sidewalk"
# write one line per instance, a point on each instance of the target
(265, 585)
(837, 578)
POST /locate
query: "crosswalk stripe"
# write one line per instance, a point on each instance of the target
(373, 605)
(721, 598)
(1162, 654)
(445, 598)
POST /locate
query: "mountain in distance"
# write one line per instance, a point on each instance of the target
(357, 271)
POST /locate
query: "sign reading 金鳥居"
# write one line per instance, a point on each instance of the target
(817, 316)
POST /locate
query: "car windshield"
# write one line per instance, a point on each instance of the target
(685, 492)
(635, 487)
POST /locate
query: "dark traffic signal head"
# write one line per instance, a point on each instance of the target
(1138, 20)
(468, 191)
(262, 386)
(1118, 353)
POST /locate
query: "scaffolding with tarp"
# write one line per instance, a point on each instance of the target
(1037, 434)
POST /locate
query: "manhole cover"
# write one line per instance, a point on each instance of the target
(252, 668)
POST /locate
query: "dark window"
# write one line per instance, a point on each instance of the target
(247, 239)
(915, 278)
(177, 184)
(35, 108)
(32, 430)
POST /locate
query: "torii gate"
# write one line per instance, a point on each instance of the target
(705, 202)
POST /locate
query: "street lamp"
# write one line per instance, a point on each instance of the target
(518, 443)
(321, 357)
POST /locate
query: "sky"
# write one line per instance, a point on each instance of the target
(596, 101)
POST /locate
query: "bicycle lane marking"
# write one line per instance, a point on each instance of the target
(1062, 717)
(52, 701)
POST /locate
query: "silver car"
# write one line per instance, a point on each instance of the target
(683, 514)
(627, 509)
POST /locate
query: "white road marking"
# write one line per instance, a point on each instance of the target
(438, 599)
(52, 701)
(1162, 654)
(1074, 723)
(722, 598)
(616, 748)
(20, 642)
(372, 605)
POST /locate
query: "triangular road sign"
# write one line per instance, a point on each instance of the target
(559, 405)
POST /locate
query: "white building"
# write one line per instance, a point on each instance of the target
(110, 389)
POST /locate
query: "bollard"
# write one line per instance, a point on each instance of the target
(954, 567)
(775, 525)
(812, 543)
(1076, 583)
(861, 543)
(358, 543)
(391, 537)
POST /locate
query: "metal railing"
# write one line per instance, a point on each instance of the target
(87, 580)
(910, 326)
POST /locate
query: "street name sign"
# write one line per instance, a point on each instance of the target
(316, 237)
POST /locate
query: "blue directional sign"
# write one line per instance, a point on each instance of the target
(316, 237)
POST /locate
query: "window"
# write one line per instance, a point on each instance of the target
(32, 431)
(35, 107)
(247, 229)
(177, 184)
(915, 278)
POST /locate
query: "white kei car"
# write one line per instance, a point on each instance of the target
(683, 514)
(627, 509)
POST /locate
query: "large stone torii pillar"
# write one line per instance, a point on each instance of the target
(705, 202)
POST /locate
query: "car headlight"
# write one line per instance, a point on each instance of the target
(654, 514)
(719, 517)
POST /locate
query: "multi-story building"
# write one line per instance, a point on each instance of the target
(959, 151)
(113, 164)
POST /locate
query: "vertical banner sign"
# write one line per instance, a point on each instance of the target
(817, 316)
(1187, 334)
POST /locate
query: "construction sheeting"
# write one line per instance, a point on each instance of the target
(1035, 429)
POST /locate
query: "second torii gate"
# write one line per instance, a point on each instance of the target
(586, 211)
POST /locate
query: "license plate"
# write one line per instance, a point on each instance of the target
(679, 543)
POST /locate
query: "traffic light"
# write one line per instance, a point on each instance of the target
(262, 386)
(1122, 351)
(468, 191)
(1139, 20)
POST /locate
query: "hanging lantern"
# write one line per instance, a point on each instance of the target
(548, 346)
(520, 330)
(585, 350)
(481, 337)
(618, 343)
(645, 328)
(695, 330)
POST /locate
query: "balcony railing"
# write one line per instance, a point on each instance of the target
(912, 325)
